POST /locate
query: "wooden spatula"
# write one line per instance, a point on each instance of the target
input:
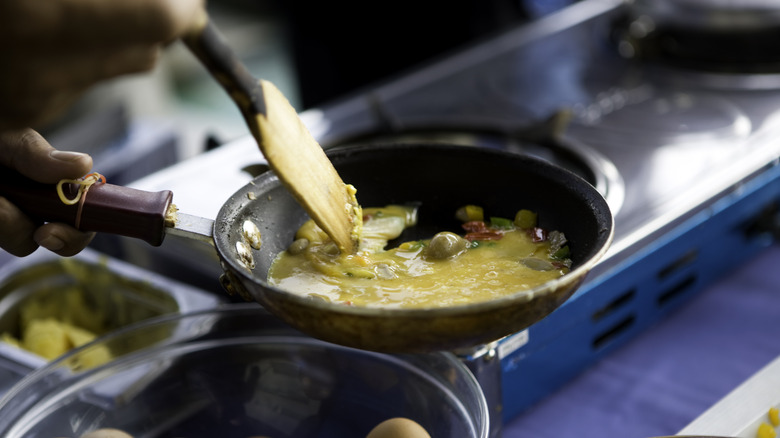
(291, 150)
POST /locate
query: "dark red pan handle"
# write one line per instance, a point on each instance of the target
(105, 208)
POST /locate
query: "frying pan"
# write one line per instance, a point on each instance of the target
(439, 178)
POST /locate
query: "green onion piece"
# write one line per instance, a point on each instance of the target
(561, 254)
(500, 222)
(525, 219)
(412, 245)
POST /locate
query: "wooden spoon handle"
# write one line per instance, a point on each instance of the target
(105, 208)
(291, 151)
(208, 45)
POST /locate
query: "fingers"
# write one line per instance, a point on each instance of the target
(19, 236)
(16, 230)
(62, 239)
(37, 87)
(53, 51)
(158, 20)
(92, 23)
(30, 154)
(34, 110)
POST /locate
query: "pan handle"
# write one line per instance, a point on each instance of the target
(104, 207)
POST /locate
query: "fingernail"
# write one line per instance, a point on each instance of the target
(67, 155)
(52, 243)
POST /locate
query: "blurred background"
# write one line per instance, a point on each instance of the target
(314, 52)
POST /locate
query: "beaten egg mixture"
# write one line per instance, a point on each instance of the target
(488, 259)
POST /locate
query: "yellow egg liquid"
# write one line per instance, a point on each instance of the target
(406, 277)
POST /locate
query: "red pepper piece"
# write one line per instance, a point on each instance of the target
(479, 230)
(537, 234)
(484, 235)
(475, 226)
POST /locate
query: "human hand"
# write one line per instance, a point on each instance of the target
(31, 155)
(52, 51)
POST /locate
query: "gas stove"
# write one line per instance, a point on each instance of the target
(686, 158)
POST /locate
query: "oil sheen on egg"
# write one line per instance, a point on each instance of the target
(398, 428)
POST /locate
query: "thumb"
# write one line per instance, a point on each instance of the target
(30, 154)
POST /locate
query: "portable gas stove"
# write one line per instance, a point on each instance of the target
(687, 159)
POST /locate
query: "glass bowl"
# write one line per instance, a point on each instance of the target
(239, 372)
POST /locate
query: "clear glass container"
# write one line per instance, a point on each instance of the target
(239, 372)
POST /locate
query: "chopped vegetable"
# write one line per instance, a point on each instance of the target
(489, 258)
(475, 226)
(766, 431)
(560, 254)
(538, 264)
(412, 246)
(47, 338)
(469, 213)
(479, 230)
(298, 246)
(774, 416)
(500, 222)
(537, 234)
(525, 219)
(445, 245)
(557, 240)
(486, 235)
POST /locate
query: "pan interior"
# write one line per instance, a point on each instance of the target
(544, 140)
(440, 179)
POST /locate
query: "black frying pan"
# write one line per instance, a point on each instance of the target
(440, 178)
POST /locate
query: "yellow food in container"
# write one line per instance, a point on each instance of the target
(766, 431)
(52, 328)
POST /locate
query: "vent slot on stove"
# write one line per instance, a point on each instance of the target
(766, 223)
(676, 290)
(687, 259)
(613, 332)
(619, 302)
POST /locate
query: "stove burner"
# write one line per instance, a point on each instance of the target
(567, 153)
(743, 51)
(725, 51)
(645, 115)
